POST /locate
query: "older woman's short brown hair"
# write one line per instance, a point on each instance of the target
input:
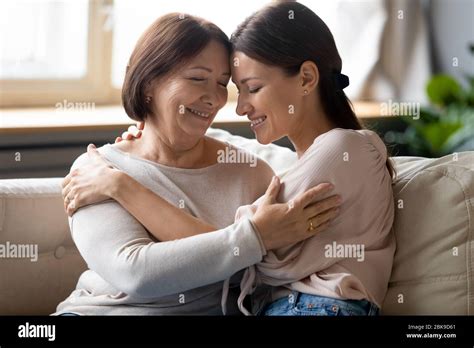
(165, 46)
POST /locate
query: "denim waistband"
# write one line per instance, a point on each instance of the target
(297, 303)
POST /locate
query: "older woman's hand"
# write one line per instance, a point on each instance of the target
(282, 224)
(133, 132)
(92, 183)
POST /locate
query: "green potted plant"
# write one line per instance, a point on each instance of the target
(447, 125)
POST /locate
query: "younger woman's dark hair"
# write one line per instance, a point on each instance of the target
(168, 44)
(286, 35)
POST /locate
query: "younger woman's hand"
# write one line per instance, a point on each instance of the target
(283, 224)
(133, 132)
(92, 183)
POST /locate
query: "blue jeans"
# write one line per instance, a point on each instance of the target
(299, 304)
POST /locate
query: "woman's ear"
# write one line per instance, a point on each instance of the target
(148, 92)
(309, 74)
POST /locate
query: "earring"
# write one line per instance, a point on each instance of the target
(305, 91)
(147, 100)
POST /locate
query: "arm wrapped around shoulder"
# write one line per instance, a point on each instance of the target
(120, 250)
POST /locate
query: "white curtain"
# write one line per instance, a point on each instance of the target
(403, 66)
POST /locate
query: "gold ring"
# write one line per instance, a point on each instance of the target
(311, 227)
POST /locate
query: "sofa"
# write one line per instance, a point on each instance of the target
(434, 228)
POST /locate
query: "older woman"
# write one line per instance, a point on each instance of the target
(176, 82)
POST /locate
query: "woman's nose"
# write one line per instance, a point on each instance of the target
(243, 108)
(211, 97)
(208, 100)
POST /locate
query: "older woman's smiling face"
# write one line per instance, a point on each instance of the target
(186, 102)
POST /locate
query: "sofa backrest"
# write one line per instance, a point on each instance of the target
(433, 271)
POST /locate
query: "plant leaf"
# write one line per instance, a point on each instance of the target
(443, 90)
(437, 134)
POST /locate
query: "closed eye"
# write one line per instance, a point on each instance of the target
(255, 90)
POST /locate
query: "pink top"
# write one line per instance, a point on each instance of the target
(353, 258)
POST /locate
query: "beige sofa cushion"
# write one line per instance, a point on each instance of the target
(434, 228)
(31, 213)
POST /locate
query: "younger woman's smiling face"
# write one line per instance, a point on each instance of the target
(267, 96)
(186, 101)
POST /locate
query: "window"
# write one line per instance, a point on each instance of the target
(56, 50)
(43, 40)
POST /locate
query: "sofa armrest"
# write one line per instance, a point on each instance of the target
(40, 260)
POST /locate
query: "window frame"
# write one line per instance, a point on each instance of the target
(94, 87)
